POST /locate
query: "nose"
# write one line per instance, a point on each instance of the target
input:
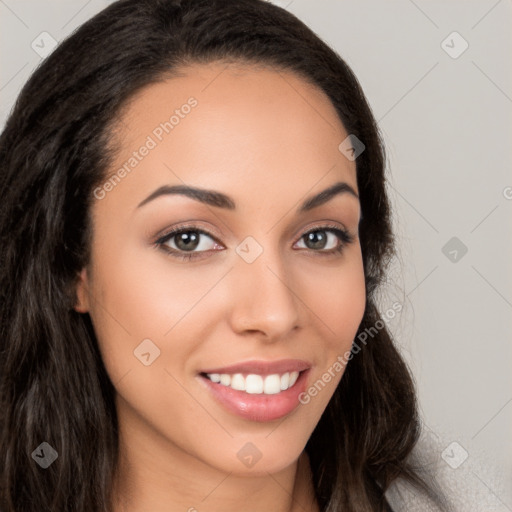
(263, 298)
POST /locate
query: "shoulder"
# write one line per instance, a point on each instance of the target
(464, 480)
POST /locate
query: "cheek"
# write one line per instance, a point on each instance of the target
(140, 295)
(338, 299)
(144, 294)
(139, 298)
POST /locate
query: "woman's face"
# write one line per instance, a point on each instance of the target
(258, 290)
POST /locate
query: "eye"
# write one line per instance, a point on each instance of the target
(326, 239)
(190, 242)
(185, 240)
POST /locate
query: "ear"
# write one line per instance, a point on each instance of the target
(81, 293)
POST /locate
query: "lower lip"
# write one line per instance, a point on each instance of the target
(258, 407)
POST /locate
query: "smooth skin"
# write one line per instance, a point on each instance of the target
(269, 140)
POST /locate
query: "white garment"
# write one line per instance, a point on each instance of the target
(469, 484)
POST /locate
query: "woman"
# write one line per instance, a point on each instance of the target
(194, 226)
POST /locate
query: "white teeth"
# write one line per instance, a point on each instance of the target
(237, 382)
(272, 385)
(285, 381)
(256, 384)
(225, 379)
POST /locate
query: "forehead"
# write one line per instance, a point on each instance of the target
(218, 123)
(237, 84)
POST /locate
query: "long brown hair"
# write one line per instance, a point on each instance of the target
(54, 151)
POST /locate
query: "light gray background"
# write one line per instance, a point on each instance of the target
(447, 127)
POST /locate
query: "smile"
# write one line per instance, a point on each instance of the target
(256, 384)
(257, 390)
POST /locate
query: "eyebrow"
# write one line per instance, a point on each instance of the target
(220, 200)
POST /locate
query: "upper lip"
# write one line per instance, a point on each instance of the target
(263, 367)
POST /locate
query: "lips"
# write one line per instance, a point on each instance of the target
(263, 400)
(259, 407)
(262, 367)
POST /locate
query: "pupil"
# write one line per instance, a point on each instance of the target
(187, 240)
(317, 239)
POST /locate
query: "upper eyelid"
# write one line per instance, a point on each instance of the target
(176, 231)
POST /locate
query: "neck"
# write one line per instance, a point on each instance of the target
(155, 474)
(144, 488)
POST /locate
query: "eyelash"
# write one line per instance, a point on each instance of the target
(342, 234)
